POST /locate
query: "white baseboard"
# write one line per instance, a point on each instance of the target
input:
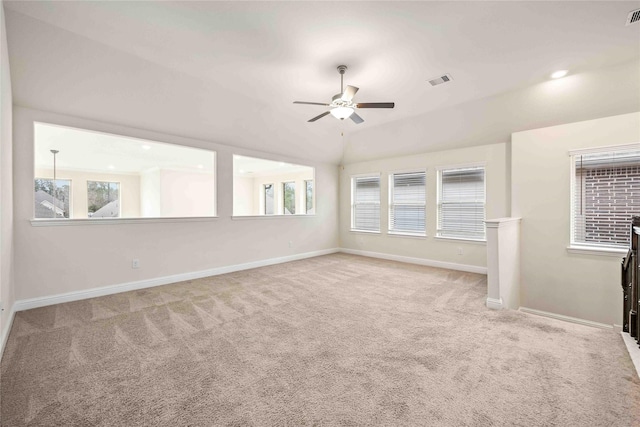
(6, 329)
(494, 304)
(633, 349)
(27, 304)
(419, 261)
(566, 318)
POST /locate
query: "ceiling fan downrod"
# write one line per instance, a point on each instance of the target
(341, 70)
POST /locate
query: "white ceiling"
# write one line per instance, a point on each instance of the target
(229, 71)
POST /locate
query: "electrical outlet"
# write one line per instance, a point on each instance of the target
(290, 244)
(460, 251)
(135, 263)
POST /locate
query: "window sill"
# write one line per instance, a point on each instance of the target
(112, 221)
(242, 217)
(463, 239)
(353, 230)
(597, 250)
(409, 235)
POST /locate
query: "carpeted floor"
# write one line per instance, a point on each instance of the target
(333, 340)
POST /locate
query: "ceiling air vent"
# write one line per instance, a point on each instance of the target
(634, 16)
(445, 78)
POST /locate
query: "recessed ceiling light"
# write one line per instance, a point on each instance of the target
(200, 166)
(111, 167)
(241, 170)
(558, 74)
(146, 147)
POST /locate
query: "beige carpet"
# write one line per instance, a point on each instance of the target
(333, 340)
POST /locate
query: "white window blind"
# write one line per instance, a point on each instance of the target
(407, 201)
(461, 203)
(366, 203)
(606, 194)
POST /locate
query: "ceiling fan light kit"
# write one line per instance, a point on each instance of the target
(341, 112)
(342, 105)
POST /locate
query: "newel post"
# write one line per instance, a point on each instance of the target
(503, 263)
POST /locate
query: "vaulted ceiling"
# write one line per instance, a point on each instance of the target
(228, 72)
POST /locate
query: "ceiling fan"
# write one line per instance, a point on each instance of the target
(342, 105)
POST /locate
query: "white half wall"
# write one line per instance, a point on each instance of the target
(552, 279)
(493, 156)
(51, 260)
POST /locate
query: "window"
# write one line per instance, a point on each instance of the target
(268, 187)
(51, 199)
(308, 184)
(289, 198)
(605, 195)
(268, 199)
(407, 201)
(120, 177)
(365, 203)
(103, 199)
(461, 203)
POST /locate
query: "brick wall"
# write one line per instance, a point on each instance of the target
(610, 197)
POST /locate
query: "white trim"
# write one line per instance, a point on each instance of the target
(419, 261)
(353, 230)
(462, 166)
(566, 318)
(38, 222)
(6, 330)
(633, 349)
(501, 222)
(494, 304)
(406, 234)
(604, 149)
(27, 304)
(463, 240)
(599, 251)
(415, 170)
(366, 175)
(243, 217)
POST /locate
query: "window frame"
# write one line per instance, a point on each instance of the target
(119, 198)
(33, 201)
(390, 192)
(306, 195)
(264, 202)
(591, 248)
(353, 179)
(462, 166)
(284, 198)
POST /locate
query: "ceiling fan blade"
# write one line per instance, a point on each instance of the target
(376, 105)
(310, 103)
(356, 118)
(319, 117)
(348, 93)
